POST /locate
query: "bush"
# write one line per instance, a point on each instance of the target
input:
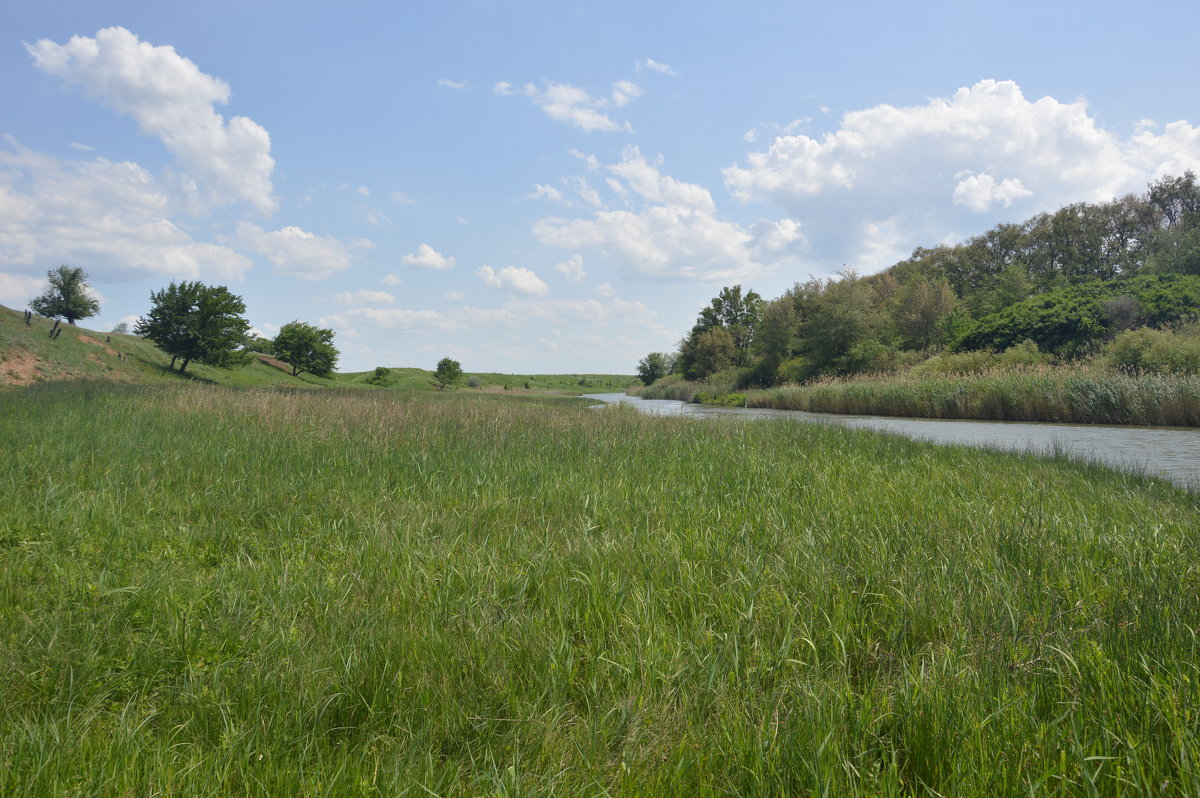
(1025, 353)
(1155, 352)
(381, 376)
(975, 362)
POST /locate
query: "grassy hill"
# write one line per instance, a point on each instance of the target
(28, 355)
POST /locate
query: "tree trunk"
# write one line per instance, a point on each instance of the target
(183, 367)
(173, 359)
(295, 371)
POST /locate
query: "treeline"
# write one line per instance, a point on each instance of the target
(1063, 282)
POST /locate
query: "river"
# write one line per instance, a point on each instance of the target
(1172, 453)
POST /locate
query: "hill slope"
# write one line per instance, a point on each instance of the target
(28, 355)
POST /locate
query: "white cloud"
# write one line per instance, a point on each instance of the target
(391, 280)
(587, 193)
(576, 107)
(593, 164)
(650, 63)
(402, 198)
(606, 290)
(676, 233)
(512, 278)
(364, 297)
(295, 252)
(426, 257)
(503, 88)
(919, 170)
(84, 147)
(376, 217)
(980, 192)
(363, 191)
(455, 296)
(750, 136)
(110, 218)
(172, 100)
(391, 319)
(541, 191)
(17, 289)
(572, 268)
(446, 83)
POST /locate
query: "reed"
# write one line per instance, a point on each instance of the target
(1034, 394)
(207, 591)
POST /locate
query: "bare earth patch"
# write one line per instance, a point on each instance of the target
(87, 339)
(279, 364)
(20, 368)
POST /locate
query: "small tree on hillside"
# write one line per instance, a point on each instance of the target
(193, 321)
(447, 372)
(67, 296)
(306, 348)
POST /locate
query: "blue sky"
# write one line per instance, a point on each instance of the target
(551, 186)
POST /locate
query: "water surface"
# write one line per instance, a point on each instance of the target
(1169, 452)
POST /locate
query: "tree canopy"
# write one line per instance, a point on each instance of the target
(1062, 282)
(67, 296)
(448, 371)
(306, 348)
(193, 321)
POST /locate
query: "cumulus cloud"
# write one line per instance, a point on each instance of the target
(503, 88)
(112, 218)
(391, 280)
(295, 252)
(572, 269)
(172, 100)
(980, 192)
(511, 278)
(446, 83)
(675, 233)
(576, 107)
(606, 290)
(455, 296)
(918, 169)
(364, 297)
(426, 257)
(17, 289)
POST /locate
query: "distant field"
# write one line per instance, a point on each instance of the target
(207, 591)
(28, 356)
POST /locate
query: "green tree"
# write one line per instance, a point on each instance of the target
(67, 296)
(193, 321)
(448, 371)
(715, 351)
(653, 366)
(306, 348)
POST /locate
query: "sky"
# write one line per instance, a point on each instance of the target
(555, 187)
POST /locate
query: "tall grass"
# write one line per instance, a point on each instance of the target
(1036, 394)
(209, 592)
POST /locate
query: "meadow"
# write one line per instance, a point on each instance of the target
(210, 591)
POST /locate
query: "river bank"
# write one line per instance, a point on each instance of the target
(1042, 394)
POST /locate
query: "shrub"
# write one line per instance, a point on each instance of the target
(1155, 351)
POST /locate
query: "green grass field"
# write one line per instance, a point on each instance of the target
(207, 591)
(28, 356)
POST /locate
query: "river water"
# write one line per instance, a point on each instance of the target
(1169, 452)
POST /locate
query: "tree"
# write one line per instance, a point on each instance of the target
(193, 321)
(653, 366)
(447, 372)
(306, 348)
(67, 296)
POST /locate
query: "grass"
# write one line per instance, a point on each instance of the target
(1063, 394)
(206, 591)
(1034, 394)
(28, 355)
